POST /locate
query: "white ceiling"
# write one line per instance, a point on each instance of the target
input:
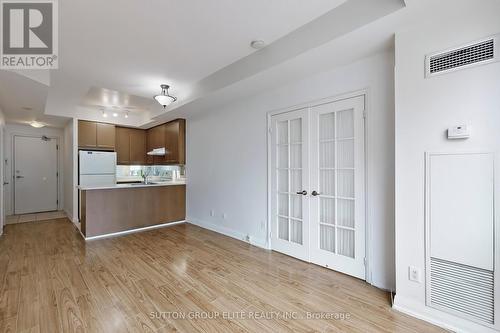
(23, 100)
(135, 46)
(199, 47)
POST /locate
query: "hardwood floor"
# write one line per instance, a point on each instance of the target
(52, 281)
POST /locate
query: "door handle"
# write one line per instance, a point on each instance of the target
(6, 183)
(19, 177)
(314, 193)
(302, 192)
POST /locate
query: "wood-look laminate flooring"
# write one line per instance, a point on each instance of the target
(52, 281)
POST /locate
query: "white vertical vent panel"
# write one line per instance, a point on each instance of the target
(473, 54)
(464, 289)
(460, 247)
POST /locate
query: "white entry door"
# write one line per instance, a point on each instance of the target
(318, 186)
(290, 182)
(35, 174)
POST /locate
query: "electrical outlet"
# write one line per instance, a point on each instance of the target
(224, 216)
(414, 274)
(212, 213)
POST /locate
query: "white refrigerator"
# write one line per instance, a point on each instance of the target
(97, 168)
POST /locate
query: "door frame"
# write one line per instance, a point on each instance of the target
(13, 167)
(335, 98)
(2, 177)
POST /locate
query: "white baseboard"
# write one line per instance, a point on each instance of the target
(70, 217)
(438, 318)
(259, 242)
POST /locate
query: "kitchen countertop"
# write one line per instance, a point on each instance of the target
(136, 185)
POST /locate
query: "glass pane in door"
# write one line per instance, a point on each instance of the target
(283, 228)
(344, 169)
(327, 238)
(289, 180)
(336, 182)
(345, 242)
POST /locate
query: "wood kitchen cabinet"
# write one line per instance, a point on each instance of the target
(87, 134)
(130, 146)
(175, 142)
(155, 139)
(122, 145)
(137, 146)
(94, 135)
(172, 136)
(105, 136)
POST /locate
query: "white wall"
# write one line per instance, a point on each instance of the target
(68, 159)
(14, 129)
(424, 109)
(227, 157)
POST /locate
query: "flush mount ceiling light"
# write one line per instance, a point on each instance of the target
(164, 98)
(36, 124)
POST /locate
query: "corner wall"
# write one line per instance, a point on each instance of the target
(227, 157)
(68, 169)
(425, 108)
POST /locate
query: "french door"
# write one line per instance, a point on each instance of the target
(290, 165)
(329, 204)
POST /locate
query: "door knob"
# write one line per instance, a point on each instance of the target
(302, 192)
(314, 193)
(19, 176)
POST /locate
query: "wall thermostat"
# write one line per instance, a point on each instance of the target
(459, 132)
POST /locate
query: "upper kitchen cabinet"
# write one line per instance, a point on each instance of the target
(122, 145)
(171, 136)
(175, 142)
(87, 134)
(137, 146)
(93, 135)
(155, 138)
(105, 136)
(130, 146)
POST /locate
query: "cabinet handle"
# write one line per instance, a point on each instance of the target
(302, 192)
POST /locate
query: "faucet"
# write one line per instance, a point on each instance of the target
(145, 177)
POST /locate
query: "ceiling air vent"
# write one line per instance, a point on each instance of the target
(473, 54)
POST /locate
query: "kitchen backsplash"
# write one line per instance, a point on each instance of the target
(159, 172)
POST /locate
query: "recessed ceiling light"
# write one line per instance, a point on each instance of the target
(115, 114)
(258, 44)
(104, 114)
(36, 124)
